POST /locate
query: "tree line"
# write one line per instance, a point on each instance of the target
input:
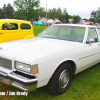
(95, 16)
(7, 11)
(30, 9)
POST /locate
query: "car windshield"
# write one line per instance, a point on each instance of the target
(69, 33)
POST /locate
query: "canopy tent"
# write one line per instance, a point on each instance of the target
(57, 20)
(80, 22)
(50, 21)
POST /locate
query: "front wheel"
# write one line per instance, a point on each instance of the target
(61, 79)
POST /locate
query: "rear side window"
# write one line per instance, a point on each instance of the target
(9, 26)
(25, 26)
(92, 34)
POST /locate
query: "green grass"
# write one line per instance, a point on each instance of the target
(38, 29)
(85, 85)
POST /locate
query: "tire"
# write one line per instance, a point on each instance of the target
(61, 79)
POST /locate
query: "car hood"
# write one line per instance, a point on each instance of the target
(34, 47)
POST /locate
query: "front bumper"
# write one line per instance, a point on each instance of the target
(19, 80)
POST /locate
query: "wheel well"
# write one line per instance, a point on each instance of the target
(72, 63)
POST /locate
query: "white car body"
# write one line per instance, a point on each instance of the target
(49, 54)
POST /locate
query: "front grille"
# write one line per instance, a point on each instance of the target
(5, 63)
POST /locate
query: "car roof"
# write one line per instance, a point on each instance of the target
(76, 25)
(13, 20)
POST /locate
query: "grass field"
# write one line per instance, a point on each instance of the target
(85, 85)
(38, 29)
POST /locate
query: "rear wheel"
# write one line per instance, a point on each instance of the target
(61, 79)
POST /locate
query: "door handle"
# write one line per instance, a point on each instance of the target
(0, 33)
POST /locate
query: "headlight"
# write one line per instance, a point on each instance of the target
(27, 68)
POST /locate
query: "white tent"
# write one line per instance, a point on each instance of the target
(50, 21)
(57, 20)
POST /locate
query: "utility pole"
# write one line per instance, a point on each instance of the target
(46, 12)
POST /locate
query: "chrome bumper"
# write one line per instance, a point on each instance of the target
(19, 81)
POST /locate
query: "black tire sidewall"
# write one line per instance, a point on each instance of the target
(62, 67)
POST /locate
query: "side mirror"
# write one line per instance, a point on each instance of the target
(91, 41)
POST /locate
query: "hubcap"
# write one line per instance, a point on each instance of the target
(64, 79)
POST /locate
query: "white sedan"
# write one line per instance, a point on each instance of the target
(51, 58)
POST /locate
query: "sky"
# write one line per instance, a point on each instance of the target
(83, 8)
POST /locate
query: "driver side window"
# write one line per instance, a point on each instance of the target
(92, 34)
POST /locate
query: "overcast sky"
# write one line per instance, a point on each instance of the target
(82, 8)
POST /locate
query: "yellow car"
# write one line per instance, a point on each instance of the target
(11, 29)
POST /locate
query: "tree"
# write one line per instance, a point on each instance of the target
(96, 15)
(55, 13)
(93, 14)
(60, 18)
(92, 20)
(64, 13)
(9, 11)
(1, 13)
(76, 18)
(70, 17)
(58, 13)
(19, 14)
(50, 15)
(41, 12)
(27, 8)
(67, 20)
(4, 11)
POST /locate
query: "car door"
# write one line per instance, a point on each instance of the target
(9, 32)
(92, 50)
(25, 30)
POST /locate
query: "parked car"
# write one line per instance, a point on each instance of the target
(58, 23)
(51, 59)
(37, 23)
(11, 29)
